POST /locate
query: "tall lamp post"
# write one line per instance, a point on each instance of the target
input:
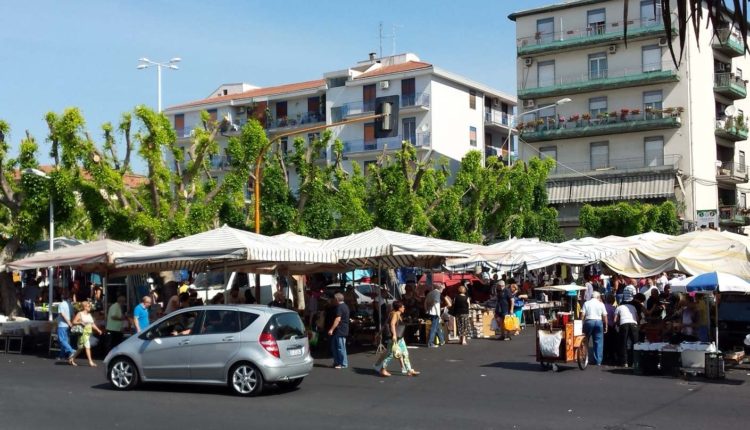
(50, 275)
(171, 64)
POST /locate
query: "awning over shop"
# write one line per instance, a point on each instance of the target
(611, 188)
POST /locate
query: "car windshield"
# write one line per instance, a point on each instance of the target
(286, 326)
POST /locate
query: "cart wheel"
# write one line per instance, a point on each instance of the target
(554, 367)
(582, 356)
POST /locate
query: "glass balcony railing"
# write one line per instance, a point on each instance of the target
(219, 162)
(497, 117)
(729, 85)
(733, 129)
(297, 120)
(729, 42)
(415, 100)
(606, 79)
(733, 215)
(420, 140)
(603, 124)
(594, 34)
(655, 162)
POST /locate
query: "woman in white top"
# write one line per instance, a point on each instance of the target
(595, 325)
(85, 320)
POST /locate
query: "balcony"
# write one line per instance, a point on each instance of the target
(348, 110)
(497, 118)
(733, 216)
(361, 146)
(184, 132)
(415, 102)
(612, 123)
(730, 86)
(732, 129)
(607, 80)
(730, 172)
(729, 43)
(296, 121)
(600, 34)
(617, 166)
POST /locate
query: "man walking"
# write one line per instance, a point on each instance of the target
(595, 324)
(626, 316)
(115, 317)
(64, 318)
(338, 332)
(503, 308)
(432, 307)
(140, 314)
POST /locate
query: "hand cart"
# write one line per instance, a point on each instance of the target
(572, 347)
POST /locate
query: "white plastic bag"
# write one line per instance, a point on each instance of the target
(549, 343)
(493, 325)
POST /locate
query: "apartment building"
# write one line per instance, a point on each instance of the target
(442, 114)
(635, 127)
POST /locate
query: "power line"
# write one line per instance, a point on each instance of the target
(565, 166)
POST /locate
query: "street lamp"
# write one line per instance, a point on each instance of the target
(557, 103)
(171, 64)
(50, 276)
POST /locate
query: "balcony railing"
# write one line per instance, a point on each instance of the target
(604, 124)
(352, 109)
(219, 162)
(597, 33)
(415, 100)
(733, 215)
(607, 79)
(729, 42)
(730, 85)
(734, 129)
(729, 171)
(497, 117)
(294, 121)
(667, 162)
(422, 140)
(183, 132)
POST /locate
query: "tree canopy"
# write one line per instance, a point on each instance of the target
(629, 218)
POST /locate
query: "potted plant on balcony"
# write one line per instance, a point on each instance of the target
(668, 111)
(612, 117)
(573, 120)
(540, 124)
(678, 111)
(560, 121)
(635, 112)
(624, 114)
(586, 118)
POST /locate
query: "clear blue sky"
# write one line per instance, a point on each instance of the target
(83, 53)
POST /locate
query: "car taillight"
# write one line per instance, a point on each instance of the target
(269, 344)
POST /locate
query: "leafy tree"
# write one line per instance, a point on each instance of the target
(628, 218)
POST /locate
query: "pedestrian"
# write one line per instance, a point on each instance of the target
(338, 332)
(140, 314)
(30, 294)
(64, 322)
(662, 282)
(396, 346)
(503, 308)
(589, 291)
(629, 292)
(280, 301)
(460, 310)
(432, 307)
(115, 317)
(234, 296)
(595, 325)
(626, 317)
(249, 298)
(85, 321)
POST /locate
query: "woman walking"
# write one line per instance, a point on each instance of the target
(85, 320)
(396, 345)
(460, 310)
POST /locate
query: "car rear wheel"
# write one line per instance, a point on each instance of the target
(122, 375)
(290, 384)
(245, 380)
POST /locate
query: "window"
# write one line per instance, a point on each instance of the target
(651, 57)
(473, 136)
(179, 123)
(284, 145)
(409, 130)
(472, 99)
(281, 110)
(545, 73)
(737, 73)
(650, 13)
(408, 92)
(370, 143)
(545, 30)
(597, 106)
(180, 324)
(286, 326)
(652, 101)
(598, 65)
(599, 155)
(653, 151)
(368, 97)
(549, 152)
(743, 200)
(213, 114)
(220, 321)
(312, 137)
(548, 114)
(596, 21)
(741, 167)
(246, 319)
(337, 82)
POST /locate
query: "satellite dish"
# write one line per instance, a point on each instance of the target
(730, 111)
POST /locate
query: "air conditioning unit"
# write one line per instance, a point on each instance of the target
(529, 103)
(612, 49)
(241, 110)
(663, 41)
(528, 61)
(384, 85)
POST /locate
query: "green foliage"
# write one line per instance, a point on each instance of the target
(629, 218)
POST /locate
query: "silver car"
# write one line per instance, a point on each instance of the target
(243, 346)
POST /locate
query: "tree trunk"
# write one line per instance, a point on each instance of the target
(10, 305)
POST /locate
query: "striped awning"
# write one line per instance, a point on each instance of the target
(611, 188)
(558, 192)
(648, 187)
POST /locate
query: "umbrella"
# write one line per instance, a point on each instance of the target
(561, 288)
(711, 281)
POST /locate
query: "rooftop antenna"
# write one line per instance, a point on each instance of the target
(380, 37)
(393, 37)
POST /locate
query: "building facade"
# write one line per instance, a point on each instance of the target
(636, 126)
(440, 113)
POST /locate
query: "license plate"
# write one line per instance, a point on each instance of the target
(295, 352)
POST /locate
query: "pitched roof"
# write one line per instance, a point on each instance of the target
(396, 68)
(258, 92)
(130, 180)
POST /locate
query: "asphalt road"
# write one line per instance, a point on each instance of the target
(486, 385)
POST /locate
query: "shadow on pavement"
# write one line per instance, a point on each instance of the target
(220, 390)
(514, 365)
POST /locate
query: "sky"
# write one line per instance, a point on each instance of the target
(84, 53)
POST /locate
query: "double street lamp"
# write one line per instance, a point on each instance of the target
(50, 276)
(171, 64)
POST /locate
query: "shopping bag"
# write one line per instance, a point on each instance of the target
(314, 337)
(511, 323)
(493, 325)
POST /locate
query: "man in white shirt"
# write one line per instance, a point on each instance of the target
(432, 307)
(662, 282)
(629, 291)
(646, 289)
(626, 316)
(595, 325)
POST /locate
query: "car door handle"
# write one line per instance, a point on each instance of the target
(228, 339)
(184, 342)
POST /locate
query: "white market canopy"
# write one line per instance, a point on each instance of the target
(224, 245)
(97, 256)
(536, 254)
(693, 253)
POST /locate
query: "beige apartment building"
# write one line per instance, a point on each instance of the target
(636, 126)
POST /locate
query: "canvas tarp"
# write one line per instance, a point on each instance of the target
(97, 256)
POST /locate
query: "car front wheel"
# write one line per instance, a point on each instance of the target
(245, 379)
(123, 374)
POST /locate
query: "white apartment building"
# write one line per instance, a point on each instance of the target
(440, 113)
(636, 127)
